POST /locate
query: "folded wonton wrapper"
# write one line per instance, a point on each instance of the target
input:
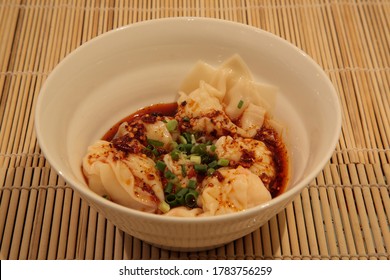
(240, 189)
(208, 89)
(128, 179)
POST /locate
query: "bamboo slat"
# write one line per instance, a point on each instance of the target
(343, 214)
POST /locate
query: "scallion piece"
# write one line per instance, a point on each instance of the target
(193, 140)
(164, 207)
(175, 155)
(180, 196)
(213, 148)
(182, 139)
(169, 175)
(191, 184)
(155, 143)
(200, 167)
(199, 149)
(190, 198)
(183, 170)
(186, 119)
(171, 200)
(187, 136)
(160, 165)
(223, 162)
(213, 164)
(240, 104)
(210, 171)
(185, 147)
(195, 159)
(171, 125)
(168, 188)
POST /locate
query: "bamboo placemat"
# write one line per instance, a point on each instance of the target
(343, 214)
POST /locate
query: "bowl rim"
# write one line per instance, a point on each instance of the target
(286, 196)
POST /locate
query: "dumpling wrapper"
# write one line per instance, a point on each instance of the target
(205, 111)
(183, 211)
(234, 149)
(239, 190)
(157, 131)
(231, 84)
(128, 179)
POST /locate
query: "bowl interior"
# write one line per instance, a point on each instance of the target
(121, 71)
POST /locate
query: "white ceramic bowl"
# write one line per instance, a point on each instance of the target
(135, 66)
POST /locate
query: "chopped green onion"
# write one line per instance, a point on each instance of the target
(180, 196)
(155, 143)
(185, 147)
(168, 188)
(223, 162)
(186, 119)
(213, 148)
(171, 125)
(171, 200)
(210, 171)
(191, 184)
(177, 189)
(240, 104)
(164, 207)
(160, 165)
(187, 136)
(169, 175)
(213, 164)
(175, 154)
(199, 149)
(193, 140)
(190, 198)
(182, 139)
(150, 150)
(183, 170)
(200, 167)
(195, 159)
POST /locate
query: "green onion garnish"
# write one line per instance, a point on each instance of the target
(186, 119)
(213, 148)
(180, 196)
(175, 154)
(193, 140)
(188, 136)
(191, 184)
(168, 188)
(183, 170)
(171, 200)
(169, 175)
(223, 162)
(160, 165)
(185, 147)
(199, 149)
(164, 207)
(240, 104)
(200, 167)
(213, 164)
(182, 139)
(171, 125)
(155, 143)
(210, 171)
(190, 198)
(195, 159)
